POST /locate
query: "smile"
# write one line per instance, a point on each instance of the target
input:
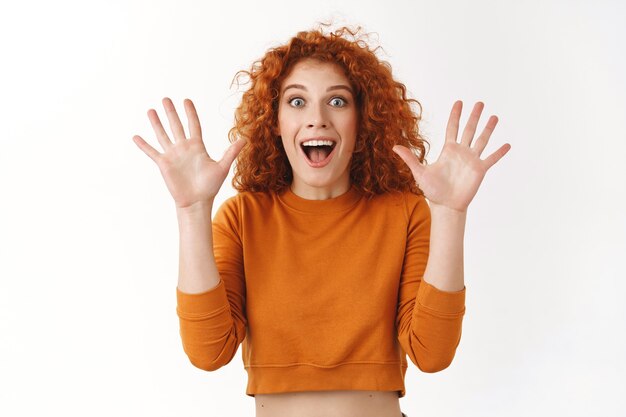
(318, 152)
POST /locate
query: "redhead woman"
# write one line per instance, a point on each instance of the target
(342, 252)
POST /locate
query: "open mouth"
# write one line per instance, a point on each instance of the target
(317, 151)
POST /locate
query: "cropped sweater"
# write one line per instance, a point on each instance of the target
(323, 294)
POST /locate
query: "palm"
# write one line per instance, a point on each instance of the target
(453, 180)
(189, 172)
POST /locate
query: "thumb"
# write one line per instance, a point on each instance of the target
(411, 160)
(231, 153)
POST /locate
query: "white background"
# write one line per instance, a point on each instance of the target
(88, 231)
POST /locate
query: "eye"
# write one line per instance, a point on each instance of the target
(338, 102)
(296, 102)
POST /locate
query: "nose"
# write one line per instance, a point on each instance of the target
(317, 117)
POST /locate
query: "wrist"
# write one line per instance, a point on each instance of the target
(199, 208)
(445, 211)
(447, 222)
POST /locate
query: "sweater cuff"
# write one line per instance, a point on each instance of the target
(203, 302)
(432, 298)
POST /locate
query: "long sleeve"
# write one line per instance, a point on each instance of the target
(213, 323)
(429, 320)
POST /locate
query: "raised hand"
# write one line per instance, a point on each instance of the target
(453, 180)
(189, 172)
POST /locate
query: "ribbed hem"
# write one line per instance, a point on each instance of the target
(201, 303)
(445, 302)
(301, 377)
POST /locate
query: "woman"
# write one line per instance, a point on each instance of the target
(329, 265)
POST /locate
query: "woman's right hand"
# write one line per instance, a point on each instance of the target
(189, 172)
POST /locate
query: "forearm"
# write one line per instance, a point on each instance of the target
(197, 271)
(444, 269)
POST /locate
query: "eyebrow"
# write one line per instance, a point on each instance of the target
(331, 88)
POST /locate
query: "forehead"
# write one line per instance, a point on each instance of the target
(310, 72)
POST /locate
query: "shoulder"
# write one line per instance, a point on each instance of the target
(410, 204)
(237, 211)
(246, 202)
(416, 202)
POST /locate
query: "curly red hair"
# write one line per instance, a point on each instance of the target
(386, 117)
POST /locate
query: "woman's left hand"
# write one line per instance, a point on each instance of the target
(453, 180)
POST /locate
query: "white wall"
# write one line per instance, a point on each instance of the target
(88, 231)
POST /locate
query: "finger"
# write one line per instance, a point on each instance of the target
(470, 127)
(481, 142)
(162, 137)
(195, 132)
(495, 157)
(411, 160)
(146, 148)
(231, 153)
(172, 116)
(453, 121)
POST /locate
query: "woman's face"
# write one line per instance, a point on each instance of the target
(317, 121)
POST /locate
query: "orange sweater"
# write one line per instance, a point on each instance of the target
(324, 294)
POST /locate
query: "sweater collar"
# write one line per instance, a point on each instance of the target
(332, 205)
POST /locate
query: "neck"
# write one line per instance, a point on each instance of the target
(319, 193)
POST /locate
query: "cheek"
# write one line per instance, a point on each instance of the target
(350, 128)
(285, 125)
(288, 144)
(279, 124)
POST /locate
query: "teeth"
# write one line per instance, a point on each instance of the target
(317, 143)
